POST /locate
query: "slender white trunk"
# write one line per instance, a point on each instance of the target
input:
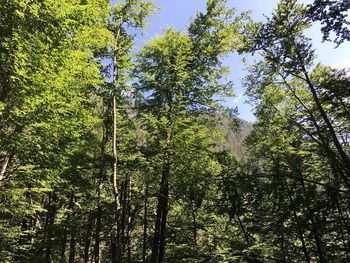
(4, 166)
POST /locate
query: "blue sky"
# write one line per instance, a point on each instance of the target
(177, 13)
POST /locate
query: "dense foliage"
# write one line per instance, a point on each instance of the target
(113, 155)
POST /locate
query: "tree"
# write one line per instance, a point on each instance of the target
(181, 74)
(332, 15)
(287, 57)
(46, 108)
(125, 16)
(298, 132)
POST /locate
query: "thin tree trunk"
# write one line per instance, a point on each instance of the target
(4, 166)
(63, 249)
(155, 246)
(158, 249)
(162, 238)
(246, 235)
(117, 237)
(124, 215)
(98, 230)
(50, 218)
(194, 222)
(289, 194)
(117, 256)
(113, 247)
(115, 158)
(87, 242)
(72, 247)
(296, 163)
(318, 241)
(64, 243)
(129, 226)
(99, 192)
(145, 225)
(334, 137)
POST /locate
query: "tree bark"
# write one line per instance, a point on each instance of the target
(50, 218)
(114, 247)
(4, 166)
(87, 242)
(117, 256)
(158, 249)
(72, 247)
(318, 239)
(124, 215)
(99, 192)
(130, 221)
(64, 243)
(145, 225)
(245, 234)
(194, 222)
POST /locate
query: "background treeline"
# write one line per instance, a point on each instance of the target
(107, 155)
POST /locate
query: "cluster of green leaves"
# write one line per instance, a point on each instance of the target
(333, 17)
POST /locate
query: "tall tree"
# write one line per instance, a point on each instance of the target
(125, 17)
(288, 55)
(296, 134)
(181, 75)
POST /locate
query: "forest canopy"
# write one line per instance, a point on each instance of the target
(112, 153)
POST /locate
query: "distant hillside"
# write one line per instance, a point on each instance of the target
(234, 139)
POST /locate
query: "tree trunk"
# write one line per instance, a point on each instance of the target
(117, 237)
(114, 247)
(99, 192)
(63, 249)
(72, 247)
(318, 240)
(4, 166)
(194, 222)
(117, 254)
(145, 225)
(50, 218)
(158, 249)
(130, 219)
(124, 215)
(245, 234)
(64, 243)
(87, 242)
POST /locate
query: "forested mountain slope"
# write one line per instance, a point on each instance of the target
(234, 137)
